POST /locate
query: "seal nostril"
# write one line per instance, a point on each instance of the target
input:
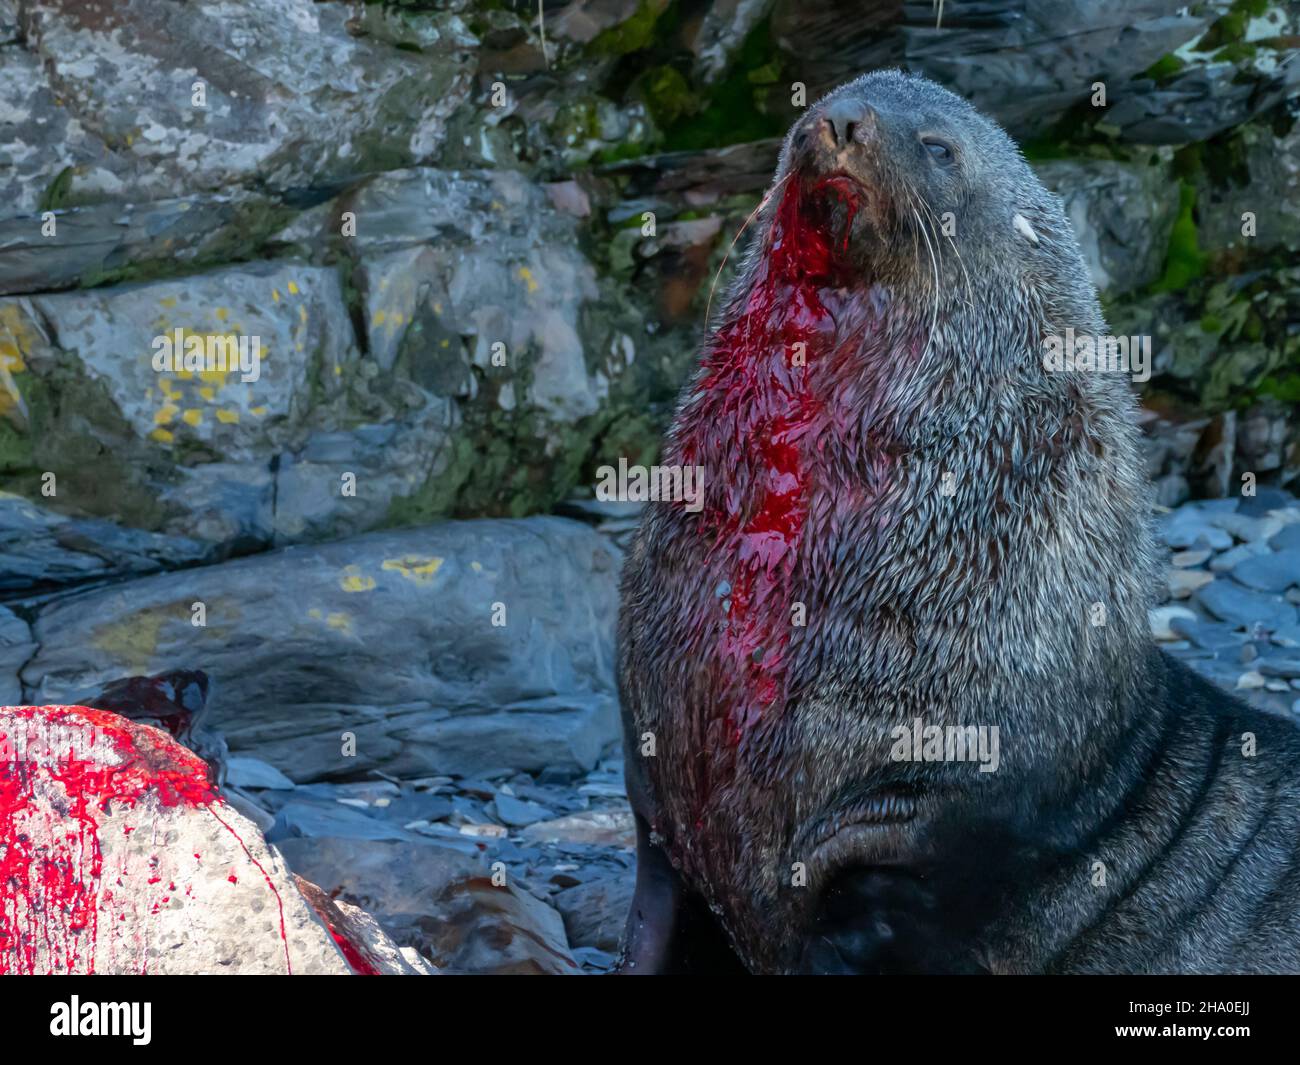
(848, 119)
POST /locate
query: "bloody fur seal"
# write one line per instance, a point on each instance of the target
(907, 516)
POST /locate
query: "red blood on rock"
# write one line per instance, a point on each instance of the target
(354, 957)
(82, 763)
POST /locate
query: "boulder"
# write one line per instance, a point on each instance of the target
(202, 97)
(118, 857)
(16, 647)
(453, 648)
(42, 550)
(1023, 63)
(103, 242)
(1122, 215)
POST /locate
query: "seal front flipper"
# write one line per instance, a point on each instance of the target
(669, 927)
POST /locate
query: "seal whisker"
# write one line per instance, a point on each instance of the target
(937, 229)
(767, 197)
(934, 318)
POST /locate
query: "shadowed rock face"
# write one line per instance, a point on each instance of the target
(119, 857)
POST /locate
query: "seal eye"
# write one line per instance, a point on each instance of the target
(940, 150)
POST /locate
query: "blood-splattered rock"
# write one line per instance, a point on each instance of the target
(118, 856)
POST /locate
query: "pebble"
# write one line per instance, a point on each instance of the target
(1281, 667)
(1161, 620)
(1245, 607)
(518, 812)
(1287, 539)
(1183, 582)
(1246, 528)
(1193, 532)
(1273, 572)
(1288, 636)
(1183, 559)
(483, 831)
(1226, 561)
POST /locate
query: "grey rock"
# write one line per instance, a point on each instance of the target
(720, 33)
(1196, 105)
(94, 243)
(1245, 527)
(40, 138)
(595, 912)
(1183, 582)
(387, 637)
(311, 820)
(1225, 562)
(1024, 64)
(292, 97)
(244, 771)
(398, 883)
(1273, 572)
(598, 960)
(16, 647)
(41, 549)
(1280, 667)
(1287, 636)
(605, 828)
(1287, 539)
(1184, 529)
(1272, 163)
(418, 807)
(1244, 607)
(1122, 214)
(1210, 636)
(487, 246)
(295, 310)
(517, 812)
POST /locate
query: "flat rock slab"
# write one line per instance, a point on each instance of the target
(118, 856)
(453, 648)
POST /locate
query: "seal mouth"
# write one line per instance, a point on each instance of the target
(829, 202)
(841, 182)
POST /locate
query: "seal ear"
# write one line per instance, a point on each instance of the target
(1021, 225)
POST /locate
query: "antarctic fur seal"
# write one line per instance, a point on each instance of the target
(912, 527)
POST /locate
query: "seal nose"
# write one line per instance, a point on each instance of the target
(845, 117)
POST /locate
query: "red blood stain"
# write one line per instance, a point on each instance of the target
(50, 879)
(756, 422)
(354, 957)
(269, 883)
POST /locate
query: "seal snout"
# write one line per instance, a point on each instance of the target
(847, 120)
